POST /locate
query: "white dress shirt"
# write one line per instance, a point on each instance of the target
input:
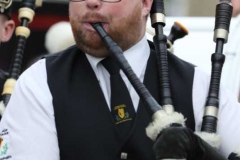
(231, 67)
(28, 125)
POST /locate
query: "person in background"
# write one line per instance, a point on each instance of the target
(7, 27)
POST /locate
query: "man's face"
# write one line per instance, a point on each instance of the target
(124, 21)
(236, 7)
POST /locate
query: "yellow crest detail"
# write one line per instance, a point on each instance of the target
(121, 112)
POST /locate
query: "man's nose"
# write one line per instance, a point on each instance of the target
(94, 4)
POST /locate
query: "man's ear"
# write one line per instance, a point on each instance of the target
(147, 4)
(7, 30)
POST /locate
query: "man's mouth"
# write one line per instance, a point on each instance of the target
(89, 24)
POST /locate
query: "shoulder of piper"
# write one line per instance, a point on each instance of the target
(68, 50)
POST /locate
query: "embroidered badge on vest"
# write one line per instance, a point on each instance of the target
(120, 114)
(4, 145)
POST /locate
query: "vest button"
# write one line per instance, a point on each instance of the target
(123, 155)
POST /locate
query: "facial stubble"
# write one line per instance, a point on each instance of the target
(125, 32)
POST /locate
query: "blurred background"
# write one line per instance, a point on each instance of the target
(193, 8)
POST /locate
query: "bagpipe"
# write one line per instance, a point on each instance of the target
(26, 14)
(172, 139)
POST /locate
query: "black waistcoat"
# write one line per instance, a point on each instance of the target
(85, 127)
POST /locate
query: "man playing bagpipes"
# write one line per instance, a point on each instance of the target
(77, 105)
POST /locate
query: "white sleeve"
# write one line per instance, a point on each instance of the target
(27, 128)
(228, 116)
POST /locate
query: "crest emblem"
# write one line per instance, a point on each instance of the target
(4, 145)
(121, 113)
